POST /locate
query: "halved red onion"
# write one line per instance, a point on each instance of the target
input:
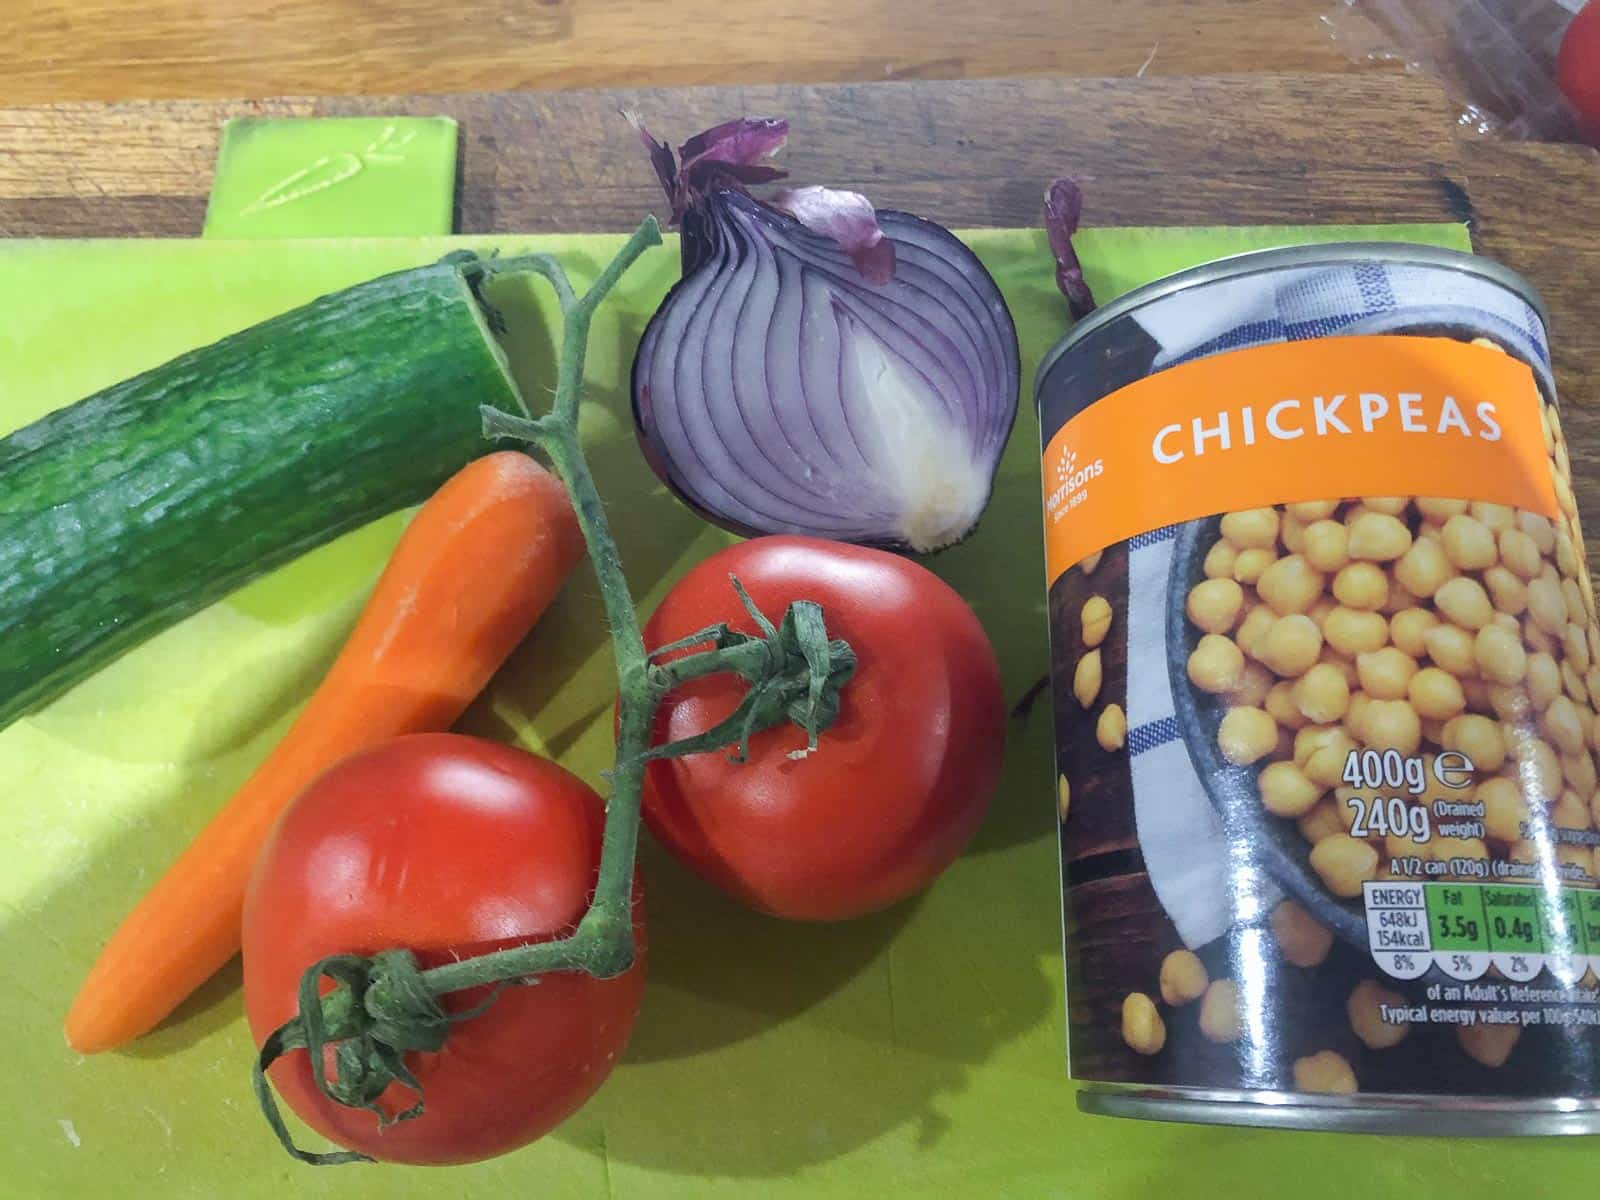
(829, 369)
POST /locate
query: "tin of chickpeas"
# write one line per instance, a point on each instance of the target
(1327, 687)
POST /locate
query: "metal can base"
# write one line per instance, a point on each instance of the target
(1423, 1116)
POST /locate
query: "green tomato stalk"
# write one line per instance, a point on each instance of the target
(385, 1006)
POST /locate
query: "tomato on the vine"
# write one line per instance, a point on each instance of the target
(449, 846)
(898, 784)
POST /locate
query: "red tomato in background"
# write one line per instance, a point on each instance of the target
(449, 846)
(1578, 67)
(900, 781)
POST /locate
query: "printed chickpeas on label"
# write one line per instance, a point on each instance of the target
(1400, 694)
(1327, 710)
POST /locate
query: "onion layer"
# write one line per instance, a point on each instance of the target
(829, 369)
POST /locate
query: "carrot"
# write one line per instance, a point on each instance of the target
(479, 563)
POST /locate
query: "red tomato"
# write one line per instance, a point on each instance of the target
(898, 784)
(450, 846)
(1578, 67)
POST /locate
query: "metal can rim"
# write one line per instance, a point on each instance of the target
(1403, 1114)
(1253, 262)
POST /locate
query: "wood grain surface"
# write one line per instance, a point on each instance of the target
(114, 50)
(1169, 151)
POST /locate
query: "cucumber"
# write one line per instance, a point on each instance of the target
(131, 509)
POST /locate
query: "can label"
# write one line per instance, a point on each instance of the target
(1353, 416)
(1326, 675)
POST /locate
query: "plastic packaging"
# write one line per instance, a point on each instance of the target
(1495, 57)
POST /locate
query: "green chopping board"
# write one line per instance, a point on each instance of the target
(918, 1051)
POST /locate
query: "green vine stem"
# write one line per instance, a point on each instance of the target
(385, 1006)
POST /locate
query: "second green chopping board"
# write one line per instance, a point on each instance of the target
(919, 1050)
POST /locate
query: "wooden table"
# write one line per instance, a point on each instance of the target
(113, 50)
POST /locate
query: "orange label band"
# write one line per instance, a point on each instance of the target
(1296, 421)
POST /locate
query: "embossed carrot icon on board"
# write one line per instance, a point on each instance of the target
(333, 169)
